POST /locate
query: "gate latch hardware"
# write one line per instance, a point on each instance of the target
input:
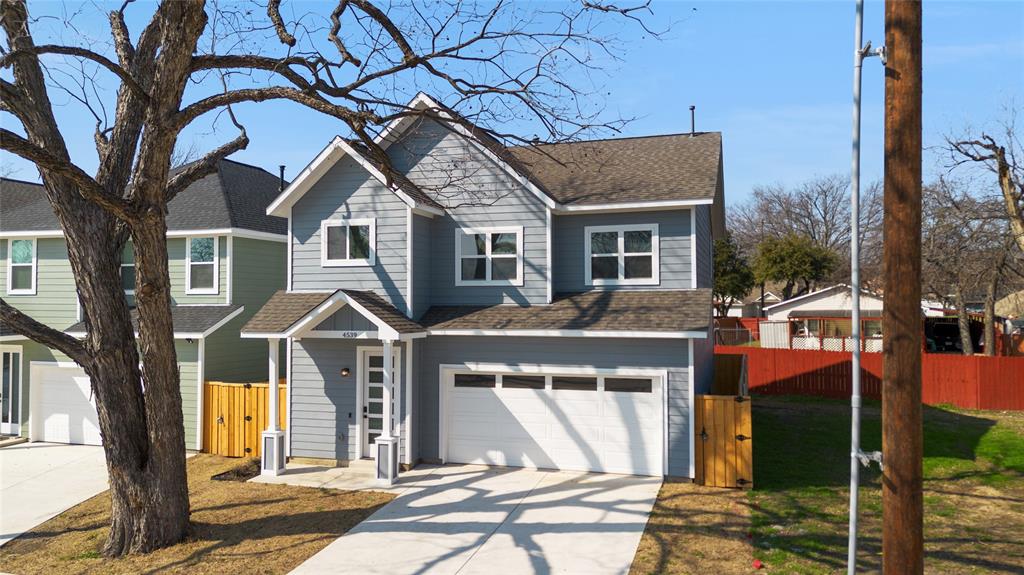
(703, 434)
(741, 437)
(741, 482)
(248, 386)
(220, 420)
(248, 450)
(248, 418)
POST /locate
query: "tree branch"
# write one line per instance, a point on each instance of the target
(208, 164)
(86, 186)
(120, 72)
(274, 13)
(311, 100)
(38, 332)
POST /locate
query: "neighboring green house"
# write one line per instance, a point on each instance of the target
(226, 259)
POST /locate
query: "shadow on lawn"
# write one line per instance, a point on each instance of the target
(805, 442)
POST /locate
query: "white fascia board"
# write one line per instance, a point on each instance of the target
(236, 232)
(14, 337)
(305, 180)
(631, 206)
(571, 333)
(177, 334)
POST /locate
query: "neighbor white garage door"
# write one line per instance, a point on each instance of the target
(606, 423)
(63, 410)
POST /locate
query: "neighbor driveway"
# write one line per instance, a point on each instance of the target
(40, 480)
(472, 519)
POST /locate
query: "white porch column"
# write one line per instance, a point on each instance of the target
(387, 443)
(273, 437)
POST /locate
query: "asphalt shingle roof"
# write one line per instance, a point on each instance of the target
(400, 180)
(668, 311)
(235, 196)
(186, 318)
(651, 168)
(283, 309)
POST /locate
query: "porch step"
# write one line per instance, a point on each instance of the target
(362, 464)
(8, 441)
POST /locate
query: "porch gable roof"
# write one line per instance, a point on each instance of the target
(287, 314)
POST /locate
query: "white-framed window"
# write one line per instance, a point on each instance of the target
(621, 255)
(21, 266)
(202, 263)
(489, 256)
(348, 242)
(128, 269)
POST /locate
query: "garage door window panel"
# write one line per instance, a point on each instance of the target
(492, 256)
(475, 380)
(574, 383)
(522, 381)
(621, 255)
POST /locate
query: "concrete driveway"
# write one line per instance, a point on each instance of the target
(41, 480)
(472, 519)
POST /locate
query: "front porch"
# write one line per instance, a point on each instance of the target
(352, 409)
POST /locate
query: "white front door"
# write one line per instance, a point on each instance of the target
(65, 411)
(610, 423)
(10, 391)
(372, 369)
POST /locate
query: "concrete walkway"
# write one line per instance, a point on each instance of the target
(472, 519)
(41, 480)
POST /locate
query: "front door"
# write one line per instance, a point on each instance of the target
(373, 398)
(10, 380)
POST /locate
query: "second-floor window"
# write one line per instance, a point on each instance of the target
(201, 265)
(491, 256)
(348, 242)
(128, 269)
(21, 267)
(621, 255)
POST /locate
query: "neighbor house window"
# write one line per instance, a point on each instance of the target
(348, 242)
(621, 255)
(492, 256)
(128, 269)
(201, 265)
(21, 267)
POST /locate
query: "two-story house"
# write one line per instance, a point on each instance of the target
(544, 307)
(226, 258)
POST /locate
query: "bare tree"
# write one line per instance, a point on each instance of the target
(358, 64)
(818, 209)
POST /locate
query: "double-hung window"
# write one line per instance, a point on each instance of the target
(348, 242)
(201, 271)
(621, 255)
(492, 256)
(21, 267)
(128, 269)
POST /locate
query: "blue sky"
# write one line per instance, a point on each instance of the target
(774, 77)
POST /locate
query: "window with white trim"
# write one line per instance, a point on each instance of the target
(492, 256)
(348, 242)
(201, 265)
(621, 255)
(21, 267)
(128, 269)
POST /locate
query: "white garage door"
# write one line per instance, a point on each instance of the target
(63, 408)
(606, 423)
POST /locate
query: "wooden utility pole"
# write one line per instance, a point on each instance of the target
(902, 441)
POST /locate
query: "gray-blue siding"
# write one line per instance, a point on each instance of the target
(674, 248)
(421, 263)
(671, 355)
(706, 246)
(348, 191)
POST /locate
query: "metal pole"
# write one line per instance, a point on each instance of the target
(902, 434)
(855, 401)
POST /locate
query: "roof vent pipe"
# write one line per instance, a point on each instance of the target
(693, 122)
(280, 185)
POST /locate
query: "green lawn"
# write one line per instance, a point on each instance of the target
(974, 488)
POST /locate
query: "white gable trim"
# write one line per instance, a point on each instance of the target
(626, 207)
(339, 299)
(337, 149)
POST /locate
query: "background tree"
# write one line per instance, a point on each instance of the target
(354, 60)
(733, 277)
(818, 209)
(794, 260)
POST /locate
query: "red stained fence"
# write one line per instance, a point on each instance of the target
(974, 382)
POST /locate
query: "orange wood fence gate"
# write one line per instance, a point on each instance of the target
(724, 447)
(234, 416)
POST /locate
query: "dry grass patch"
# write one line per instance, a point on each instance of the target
(236, 528)
(695, 529)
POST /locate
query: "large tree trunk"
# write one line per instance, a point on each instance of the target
(963, 320)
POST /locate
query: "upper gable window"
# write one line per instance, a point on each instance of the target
(491, 256)
(621, 255)
(348, 242)
(21, 267)
(201, 266)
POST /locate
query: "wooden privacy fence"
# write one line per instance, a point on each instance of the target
(723, 445)
(971, 382)
(235, 414)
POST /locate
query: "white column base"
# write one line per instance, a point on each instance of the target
(387, 460)
(272, 462)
